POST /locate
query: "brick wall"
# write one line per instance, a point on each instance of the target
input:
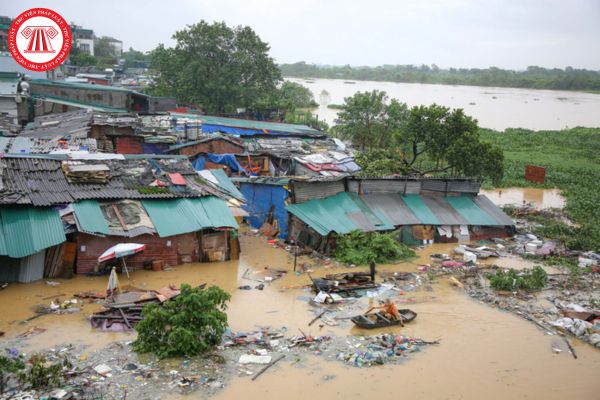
(213, 146)
(156, 249)
(129, 145)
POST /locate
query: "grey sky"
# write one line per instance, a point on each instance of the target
(460, 33)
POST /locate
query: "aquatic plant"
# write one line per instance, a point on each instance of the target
(511, 280)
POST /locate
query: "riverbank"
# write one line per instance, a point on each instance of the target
(572, 165)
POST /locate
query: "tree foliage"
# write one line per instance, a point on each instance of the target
(421, 140)
(135, 59)
(370, 120)
(189, 325)
(292, 95)
(81, 58)
(217, 67)
(533, 77)
(511, 280)
(361, 248)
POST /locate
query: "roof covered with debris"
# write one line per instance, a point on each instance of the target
(243, 127)
(50, 180)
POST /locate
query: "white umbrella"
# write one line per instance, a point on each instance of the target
(121, 250)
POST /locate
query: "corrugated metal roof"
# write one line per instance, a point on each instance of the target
(392, 207)
(345, 212)
(226, 184)
(304, 191)
(420, 209)
(178, 216)
(444, 211)
(28, 230)
(250, 126)
(90, 217)
(341, 213)
(493, 210)
(469, 210)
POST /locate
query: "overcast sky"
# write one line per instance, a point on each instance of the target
(453, 33)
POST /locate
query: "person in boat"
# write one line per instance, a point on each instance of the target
(390, 311)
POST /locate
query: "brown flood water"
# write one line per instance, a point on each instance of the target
(539, 198)
(484, 353)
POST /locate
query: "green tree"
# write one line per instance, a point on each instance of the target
(103, 48)
(191, 324)
(370, 120)
(135, 59)
(80, 58)
(293, 95)
(217, 67)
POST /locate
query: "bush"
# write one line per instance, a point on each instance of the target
(9, 366)
(191, 324)
(363, 247)
(512, 280)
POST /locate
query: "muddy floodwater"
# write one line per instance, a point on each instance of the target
(539, 198)
(493, 107)
(484, 353)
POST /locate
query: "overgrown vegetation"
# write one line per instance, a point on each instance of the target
(533, 77)
(43, 373)
(572, 165)
(511, 280)
(191, 324)
(361, 248)
(10, 365)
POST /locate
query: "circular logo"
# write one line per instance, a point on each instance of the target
(39, 39)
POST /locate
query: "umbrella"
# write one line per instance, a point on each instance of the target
(122, 250)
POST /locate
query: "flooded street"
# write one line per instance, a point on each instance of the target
(484, 353)
(539, 198)
(495, 108)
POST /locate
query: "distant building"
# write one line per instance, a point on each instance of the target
(115, 44)
(83, 39)
(5, 23)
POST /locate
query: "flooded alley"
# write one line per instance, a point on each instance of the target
(483, 352)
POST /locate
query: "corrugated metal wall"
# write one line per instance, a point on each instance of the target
(32, 267)
(457, 186)
(385, 186)
(305, 191)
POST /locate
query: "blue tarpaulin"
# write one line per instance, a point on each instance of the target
(223, 159)
(259, 200)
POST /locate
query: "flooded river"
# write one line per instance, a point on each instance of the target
(538, 198)
(496, 108)
(484, 353)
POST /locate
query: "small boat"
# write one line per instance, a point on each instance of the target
(377, 320)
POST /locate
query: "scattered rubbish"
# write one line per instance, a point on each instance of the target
(259, 373)
(32, 332)
(456, 282)
(52, 283)
(254, 359)
(102, 369)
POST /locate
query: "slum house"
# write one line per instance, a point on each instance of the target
(60, 96)
(59, 213)
(269, 149)
(122, 133)
(419, 210)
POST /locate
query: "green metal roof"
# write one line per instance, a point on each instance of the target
(470, 211)
(345, 212)
(90, 217)
(78, 85)
(250, 124)
(420, 209)
(174, 217)
(341, 213)
(80, 104)
(3, 249)
(28, 230)
(226, 183)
